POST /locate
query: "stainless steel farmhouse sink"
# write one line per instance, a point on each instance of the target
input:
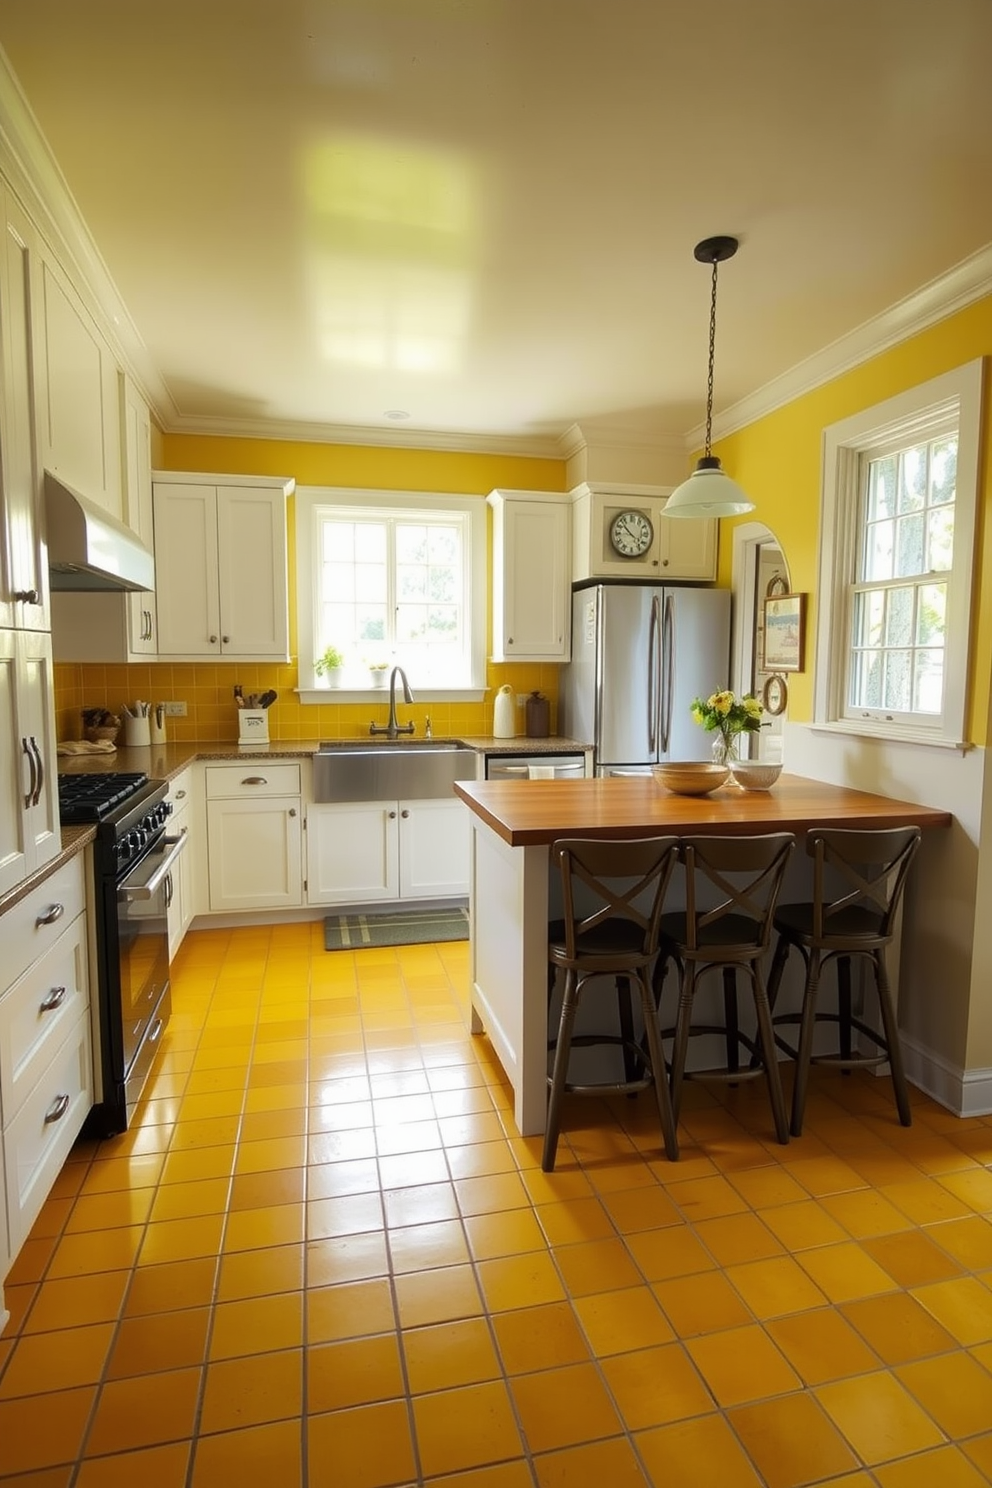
(411, 769)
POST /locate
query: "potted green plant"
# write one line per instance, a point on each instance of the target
(377, 673)
(329, 665)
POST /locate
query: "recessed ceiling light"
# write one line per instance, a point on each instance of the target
(396, 413)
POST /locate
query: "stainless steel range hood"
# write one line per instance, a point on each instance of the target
(87, 548)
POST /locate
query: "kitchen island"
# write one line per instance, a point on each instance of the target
(513, 826)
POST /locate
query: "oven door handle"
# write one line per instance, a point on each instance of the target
(148, 890)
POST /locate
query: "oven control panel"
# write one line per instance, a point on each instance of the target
(133, 842)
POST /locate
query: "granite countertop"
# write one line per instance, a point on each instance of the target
(165, 761)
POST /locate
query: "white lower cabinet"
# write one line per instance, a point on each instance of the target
(180, 900)
(254, 836)
(367, 851)
(46, 1062)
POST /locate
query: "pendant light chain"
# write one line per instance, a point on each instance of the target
(709, 380)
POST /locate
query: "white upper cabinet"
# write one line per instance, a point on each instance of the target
(116, 627)
(620, 532)
(23, 567)
(77, 400)
(220, 564)
(531, 606)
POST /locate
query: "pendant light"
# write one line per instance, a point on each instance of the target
(709, 492)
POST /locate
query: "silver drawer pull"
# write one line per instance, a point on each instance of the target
(180, 795)
(54, 1000)
(155, 1031)
(57, 1109)
(254, 780)
(53, 913)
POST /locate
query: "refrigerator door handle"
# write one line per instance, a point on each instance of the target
(654, 641)
(667, 671)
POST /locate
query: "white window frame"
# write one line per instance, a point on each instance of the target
(309, 501)
(908, 416)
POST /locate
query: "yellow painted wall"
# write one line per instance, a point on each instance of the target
(777, 460)
(206, 687)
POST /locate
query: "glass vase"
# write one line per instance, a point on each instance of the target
(726, 748)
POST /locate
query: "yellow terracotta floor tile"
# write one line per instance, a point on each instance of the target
(616, 1322)
(519, 1281)
(843, 1272)
(821, 1345)
(510, 1233)
(247, 1392)
(165, 1340)
(358, 1371)
(421, 1247)
(802, 1225)
(947, 1466)
(438, 1296)
(539, 1338)
(459, 1429)
(74, 1301)
(448, 1355)
(588, 1466)
(791, 1440)
(561, 1407)
(704, 1303)
(34, 1367)
(144, 1411)
(968, 1241)
(879, 1417)
(954, 1390)
(704, 1452)
(574, 1221)
(349, 1311)
(253, 1273)
(257, 1325)
(152, 1467)
(737, 1238)
(368, 1447)
(742, 1365)
(669, 1253)
(912, 1258)
(596, 1266)
(775, 1287)
(963, 1306)
(898, 1328)
(654, 1386)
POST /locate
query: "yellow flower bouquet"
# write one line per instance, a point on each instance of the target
(729, 716)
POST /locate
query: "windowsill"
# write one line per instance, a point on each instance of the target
(860, 730)
(327, 695)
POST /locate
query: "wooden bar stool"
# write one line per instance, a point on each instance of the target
(731, 886)
(613, 894)
(870, 870)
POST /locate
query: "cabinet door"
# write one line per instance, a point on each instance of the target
(186, 594)
(36, 722)
(530, 583)
(76, 392)
(688, 546)
(434, 849)
(15, 771)
(352, 855)
(251, 538)
(136, 438)
(180, 910)
(23, 567)
(254, 853)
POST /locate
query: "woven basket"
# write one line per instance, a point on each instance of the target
(97, 735)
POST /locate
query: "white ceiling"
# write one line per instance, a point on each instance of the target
(482, 213)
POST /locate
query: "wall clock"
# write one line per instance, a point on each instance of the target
(631, 534)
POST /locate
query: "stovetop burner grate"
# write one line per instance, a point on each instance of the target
(90, 798)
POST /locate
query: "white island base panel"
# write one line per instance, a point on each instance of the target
(508, 967)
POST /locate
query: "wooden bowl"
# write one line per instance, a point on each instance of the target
(690, 778)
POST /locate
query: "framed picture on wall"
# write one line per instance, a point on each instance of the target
(784, 633)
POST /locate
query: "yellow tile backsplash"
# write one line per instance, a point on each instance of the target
(207, 689)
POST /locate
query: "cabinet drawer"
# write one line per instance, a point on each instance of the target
(253, 778)
(33, 924)
(37, 1141)
(37, 1013)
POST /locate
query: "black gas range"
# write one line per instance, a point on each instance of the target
(133, 858)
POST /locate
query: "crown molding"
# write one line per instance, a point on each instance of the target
(541, 447)
(955, 290)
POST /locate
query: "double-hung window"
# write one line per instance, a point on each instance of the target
(389, 579)
(898, 522)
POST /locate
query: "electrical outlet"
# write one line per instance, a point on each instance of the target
(175, 710)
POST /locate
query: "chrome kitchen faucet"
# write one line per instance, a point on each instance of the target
(393, 729)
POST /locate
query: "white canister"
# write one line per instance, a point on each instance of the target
(505, 718)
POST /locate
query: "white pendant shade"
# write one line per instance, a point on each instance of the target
(708, 493)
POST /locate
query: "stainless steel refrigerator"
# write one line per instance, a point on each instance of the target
(640, 654)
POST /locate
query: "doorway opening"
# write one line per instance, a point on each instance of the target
(759, 569)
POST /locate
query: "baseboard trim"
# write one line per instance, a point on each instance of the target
(965, 1092)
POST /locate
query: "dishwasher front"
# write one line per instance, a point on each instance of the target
(535, 766)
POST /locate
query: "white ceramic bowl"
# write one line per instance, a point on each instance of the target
(753, 775)
(690, 778)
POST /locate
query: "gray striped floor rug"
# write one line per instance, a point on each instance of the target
(351, 932)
